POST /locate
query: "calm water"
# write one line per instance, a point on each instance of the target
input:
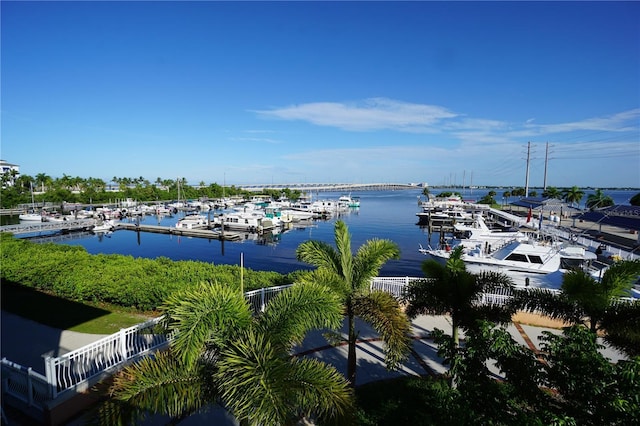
(383, 214)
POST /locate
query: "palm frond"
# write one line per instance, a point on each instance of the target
(343, 245)
(251, 375)
(319, 254)
(383, 312)
(298, 310)
(621, 323)
(160, 384)
(543, 301)
(371, 256)
(263, 385)
(319, 390)
(427, 297)
(619, 277)
(327, 278)
(203, 316)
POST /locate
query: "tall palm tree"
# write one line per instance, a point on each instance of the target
(451, 290)
(598, 200)
(573, 195)
(599, 305)
(350, 277)
(223, 354)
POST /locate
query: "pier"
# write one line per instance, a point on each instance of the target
(50, 227)
(212, 234)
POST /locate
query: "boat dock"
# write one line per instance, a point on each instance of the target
(50, 227)
(212, 234)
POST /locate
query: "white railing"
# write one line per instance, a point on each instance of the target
(258, 299)
(393, 285)
(23, 384)
(77, 368)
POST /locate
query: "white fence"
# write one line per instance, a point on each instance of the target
(79, 369)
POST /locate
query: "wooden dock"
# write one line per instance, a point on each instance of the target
(212, 234)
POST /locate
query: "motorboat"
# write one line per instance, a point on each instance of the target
(193, 221)
(104, 226)
(469, 234)
(528, 261)
(348, 201)
(250, 220)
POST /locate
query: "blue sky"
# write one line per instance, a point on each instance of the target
(283, 92)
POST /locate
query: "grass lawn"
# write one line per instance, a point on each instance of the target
(65, 314)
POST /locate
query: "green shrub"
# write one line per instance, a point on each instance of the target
(144, 284)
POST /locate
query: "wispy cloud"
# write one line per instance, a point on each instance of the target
(456, 130)
(370, 114)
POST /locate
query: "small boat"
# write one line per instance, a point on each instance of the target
(349, 201)
(104, 226)
(31, 217)
(193, 221)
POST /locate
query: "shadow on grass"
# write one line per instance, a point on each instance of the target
(46, 309)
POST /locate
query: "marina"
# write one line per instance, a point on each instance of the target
(389, 214)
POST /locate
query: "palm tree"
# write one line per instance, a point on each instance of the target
(223, 354)
(350, 277)
(552, 192)
(598, 200)
(573, 195)
(595, 304)
(451, 290)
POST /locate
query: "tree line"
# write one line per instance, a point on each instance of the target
(18, 189)
(572, 195)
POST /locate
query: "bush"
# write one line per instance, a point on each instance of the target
(144, 284)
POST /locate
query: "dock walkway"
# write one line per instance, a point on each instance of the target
(213, 234)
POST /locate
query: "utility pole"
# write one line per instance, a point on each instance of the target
(546, 160)
(526, 183)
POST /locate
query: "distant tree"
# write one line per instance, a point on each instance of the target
(635, 200)
(518, 192)
(426, 191)
(573, 195)
(598, 200)
(552, 192)
(533, 193)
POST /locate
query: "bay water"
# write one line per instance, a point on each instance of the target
(382, 214)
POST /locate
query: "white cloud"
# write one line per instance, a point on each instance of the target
(370, 114)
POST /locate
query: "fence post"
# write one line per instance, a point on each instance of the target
(29, 387)
(50, 373)
(262, 301)
(123, 344)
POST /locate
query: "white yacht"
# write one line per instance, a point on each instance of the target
(527, 261)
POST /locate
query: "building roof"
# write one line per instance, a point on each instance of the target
(540, 202)
(627, 217)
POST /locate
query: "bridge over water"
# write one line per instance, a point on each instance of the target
(332, 187)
